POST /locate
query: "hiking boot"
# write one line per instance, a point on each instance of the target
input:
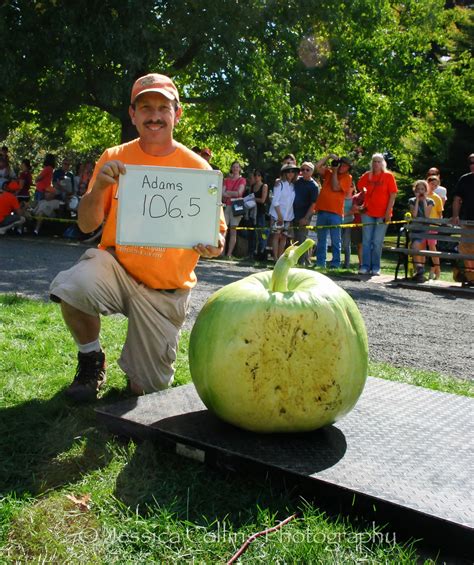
(89, 378)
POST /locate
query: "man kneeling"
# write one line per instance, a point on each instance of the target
(149, 286)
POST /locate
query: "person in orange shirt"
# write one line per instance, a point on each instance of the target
(45, 178)
(151, 286)
(381, 190)
(11, 214)
(329, 206)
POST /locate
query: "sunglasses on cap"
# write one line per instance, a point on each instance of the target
(305, 169)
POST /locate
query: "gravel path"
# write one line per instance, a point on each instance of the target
(407, 328)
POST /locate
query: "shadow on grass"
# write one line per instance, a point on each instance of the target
(191, 491)
(48, 443)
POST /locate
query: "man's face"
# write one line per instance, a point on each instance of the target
(377, 164)
(65, 166)
(154, 116)
(306, 172)
(344, 168)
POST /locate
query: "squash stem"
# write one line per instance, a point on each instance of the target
(288, 260)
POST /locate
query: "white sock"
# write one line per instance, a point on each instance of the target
(89, 347)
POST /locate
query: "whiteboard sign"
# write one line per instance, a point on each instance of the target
(168, 206)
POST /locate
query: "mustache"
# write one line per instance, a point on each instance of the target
(155, 122)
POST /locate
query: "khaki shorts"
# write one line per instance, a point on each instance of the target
(231, 220)
(285, 229)
(98, 284)
(467, 247)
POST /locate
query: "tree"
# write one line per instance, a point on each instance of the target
(89, 52)
(263, 75)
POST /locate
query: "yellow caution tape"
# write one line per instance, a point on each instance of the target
(45, 219)
(70, 221)
(328, 227)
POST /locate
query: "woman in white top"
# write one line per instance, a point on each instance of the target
(281, 210)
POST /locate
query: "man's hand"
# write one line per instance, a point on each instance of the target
(109, 174)
(210, 251)
(90, 213)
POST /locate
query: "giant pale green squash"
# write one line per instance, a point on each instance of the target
(280, 351)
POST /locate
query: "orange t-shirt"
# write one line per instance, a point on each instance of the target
(330, 200)
(8, 204)
(379, 188)
(46, 179)
(156, 267)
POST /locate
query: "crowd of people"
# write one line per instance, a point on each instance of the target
(26, 200)
(335, 209)
(320, 200)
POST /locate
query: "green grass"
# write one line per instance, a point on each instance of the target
(418, 377)
(146, 504)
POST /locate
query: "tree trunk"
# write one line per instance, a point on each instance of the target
(129, 131)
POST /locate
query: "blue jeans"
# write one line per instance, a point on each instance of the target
(328, 219)
(373, 235)
(346, 246)
(262, 234)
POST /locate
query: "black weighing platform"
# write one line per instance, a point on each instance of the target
(403, 457)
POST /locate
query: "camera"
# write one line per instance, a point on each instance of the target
(335, 162)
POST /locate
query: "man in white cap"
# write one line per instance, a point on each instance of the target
(151, 286)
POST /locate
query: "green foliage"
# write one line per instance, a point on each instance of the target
(90, 131)
(28, 141)
(83, 135)
(198, 127)
(261, 78)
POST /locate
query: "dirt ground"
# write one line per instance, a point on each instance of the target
(406, 328)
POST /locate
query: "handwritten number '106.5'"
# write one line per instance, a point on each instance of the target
(166, 209)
